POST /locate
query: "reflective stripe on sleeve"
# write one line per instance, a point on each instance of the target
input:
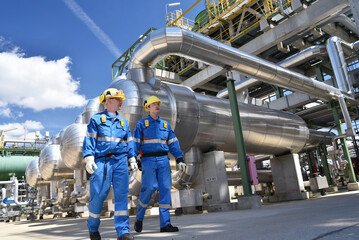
(136, 140)
(93, 135)
(172, 140)
(121, 213)
(94, 215)
(146, 141)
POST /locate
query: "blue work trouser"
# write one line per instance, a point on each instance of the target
(156, 173)
(100, 184)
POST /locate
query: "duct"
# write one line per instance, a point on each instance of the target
(295, 60)
(302, 56)
(335, 51)
(182, 180)
(346, 21)
(350, 130)
(206, 122)
(177, 41)
(334, 46)
(319, 137)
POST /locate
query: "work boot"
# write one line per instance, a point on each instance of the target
(169, 228)
(138, 226)
(126, 236)
(95, 235)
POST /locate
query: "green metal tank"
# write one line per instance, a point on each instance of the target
(14, 166)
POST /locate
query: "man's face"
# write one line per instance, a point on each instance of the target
(115, 102)
(154, 107)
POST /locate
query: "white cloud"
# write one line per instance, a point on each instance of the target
(19, 129)
(5, 112)
(36, 83)
(96, 30)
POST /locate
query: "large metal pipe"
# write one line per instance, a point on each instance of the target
(336, 55)
(177, 41)
(206, 122)
(292, 61)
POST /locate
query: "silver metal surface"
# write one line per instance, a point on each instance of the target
(32, 173)
(186, 198)
(93, 106)
(180, 179)
(71, 146)
(206, 122)
(292, 61)
(336, 55)
(51, 165)
(177, 41)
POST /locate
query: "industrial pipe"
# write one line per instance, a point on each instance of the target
(292, 61)
(177, 41)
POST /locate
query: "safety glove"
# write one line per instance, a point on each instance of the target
(181, 164)
(90, 164)
(132, 163)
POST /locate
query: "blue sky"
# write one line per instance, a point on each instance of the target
(57, 54)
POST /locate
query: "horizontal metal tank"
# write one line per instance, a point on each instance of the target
(206, 121)
(32, 173)
(71, 146)
(14, 166)
(51, 165)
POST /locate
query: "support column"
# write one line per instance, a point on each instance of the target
(287, 177)
(352, 178)
(242, 158)
(310, 164)
(322, 151)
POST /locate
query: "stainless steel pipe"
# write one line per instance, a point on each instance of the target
(177, 41)
(206, 122)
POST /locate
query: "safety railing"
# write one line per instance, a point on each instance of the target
(218, 12)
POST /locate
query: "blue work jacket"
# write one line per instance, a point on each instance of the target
(108, 136)
(153, 136)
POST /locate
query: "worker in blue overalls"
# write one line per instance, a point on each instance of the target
(155, 138)
(107, 151)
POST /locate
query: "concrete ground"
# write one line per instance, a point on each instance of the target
(334, 216)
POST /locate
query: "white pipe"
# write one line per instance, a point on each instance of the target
(16, 190)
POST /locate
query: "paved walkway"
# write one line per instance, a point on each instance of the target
(335, 216)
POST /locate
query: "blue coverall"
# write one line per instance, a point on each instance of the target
(108, 140)
(156, 136)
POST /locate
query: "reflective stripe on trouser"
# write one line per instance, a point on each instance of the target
(156, 173)
(117, 171)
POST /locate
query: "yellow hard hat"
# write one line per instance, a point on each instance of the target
(111, 93)
(150, 100)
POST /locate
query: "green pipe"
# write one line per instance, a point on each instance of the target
(310, 161)
(322, 151)
(241, 151)
(352, 178)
